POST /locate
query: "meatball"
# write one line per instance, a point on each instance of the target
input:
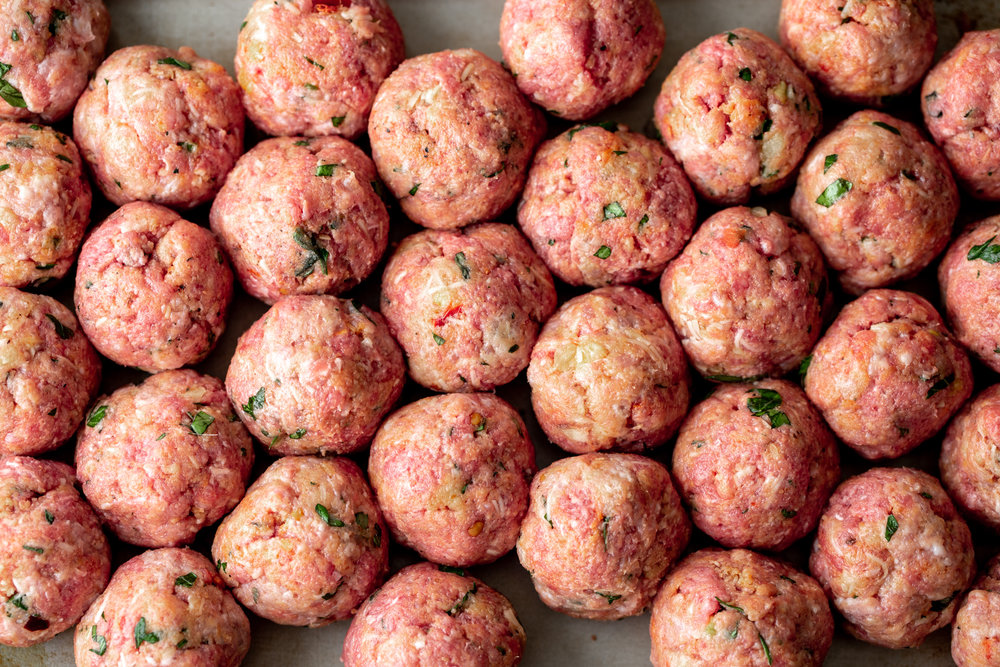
(970, 288)
(466, 305)
(747, 295)
(975, 639)
(44, 203)
(152, 289)
(159, 125)
(54, 559)
(892, 554)
(961, 105)
(301, 216)
(164, 607)
(51, 53)
(738, 115)
(315, 375)
(862, 52)
(609, 373)
(161, 460)
(576, 58)
(756, 463)
(306, 545)
(313, 68)
(601, 532)
(434, 615)
(969, 466)
(739, 608)
(452, 137)
(603, 206)
(887, 375)
(50, 372)
(878, 198)
(451, 473)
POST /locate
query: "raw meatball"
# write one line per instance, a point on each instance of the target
(315, 375)
(961, 104)
(600, 533)
(431, 615)
(307, 543)
(860, 51)
(44, 203)
(747, 295)
(578, 57)
(975, 638)
(738, 115)
(159, 125)
(739, 608)
(451, 474)
(301, 216)
(756, 463)
(152, 289)
(892, 554)
(162, 460)
(970, 288)
(878, 198)
(606, 206)
(452, 137)
(466, 305)
(313, 68)
(54, 47)
(887, 375)
(50, 371)
(969, 465)
(164, 607)
(54, 559)
(609, 373)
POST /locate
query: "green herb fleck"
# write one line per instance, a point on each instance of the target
(57, 15)
(413, 190)
(610, 597)
(804, 367)
(609, 125)
(100, 640)
(460, 606)
(730, 36)
(746, 74)
(730, 378)
(908, 175)
(37, 550)
(17, 599)
(62, 330)
(97, 415)
(175, 62)
(438, 339)
(200, 422)
(885, 126)
(767, 649)
(4, 167)
(926, 495)
(765, 128)
(325, 170)
(613, 210)
(765, 405)
(513, 348)
(310, 86)
(221, 565)
(988, 252)
(49, 517)
(603, 252)
(60, 156)
(243, 25)
(254, 403)
(891, 526)
(463, 265)
(182, 643)
(829, 162)
(337, 121)
(451, 570)
(324, 514)
(361, 519)
(186, 580)
(642, 221)
(834, 192)
(142, 636)
(15, 36)
(605, 520)
(788, 514)
(315, 253)
(941, 605)
(298, 434)
(787, 578)
(727, 605)
(313, 62)
(942, 383)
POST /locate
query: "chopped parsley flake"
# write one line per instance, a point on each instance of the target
(765, 128)
(746, 74)
(765, 405)
(175, 62)
(460, 606)
(313, 62)
(60, 156)
(438, 339)
(325, 170)
(885, 126)
(730, 36)
(891, 526)
(62, 330)
(941, 383)
(834, 192)
(451, 570)
(37, 550)
(97, 415)
(315, 253)
(298, 434)
(413, 190)
(767, 649)
(610, 597)
(100, 640)
(337, 121)
(603, 252)
(804, 367)
(186, 580)
(49, 517)
(727, 605)
(788, 514)
(254, 403)
(324, 514)
(200, 422)
(642, 221)
(463, 265)
(17, 599)
(144, 636)
(988, 252)
(15, 36)
(941, 605)
(829, 162)
(4, 167)
(613, 210)
(609, 125)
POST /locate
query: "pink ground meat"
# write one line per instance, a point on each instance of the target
(969, 465)
(975, 639)
(54, 559)
(603, 205)
(307, 544)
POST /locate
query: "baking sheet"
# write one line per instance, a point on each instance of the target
(431, 25)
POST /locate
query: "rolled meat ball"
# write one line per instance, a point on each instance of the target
(975, 639)
(748, 295)
(51, 373)
(756, 465)
(452, 137)
(969, 279)
(434, 615)
(893, 556)
(739, 608)
(603, 206)
(878, 198)
(577, 58)
(887, 374)
(600, 534)
(862, 52)
(738, 115)
(161, 460)
(313, 68)
(466, 305)
(969, 466)
(54, 47)
(159, 125)
(152, 289)
(301, 216)
(608, 372)
(451, 473)
(44, 204)
(315, 375)
(54, 559)
(164, 607)
(306, 545)
(961, 106)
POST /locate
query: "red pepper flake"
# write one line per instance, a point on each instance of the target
(452, 310)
